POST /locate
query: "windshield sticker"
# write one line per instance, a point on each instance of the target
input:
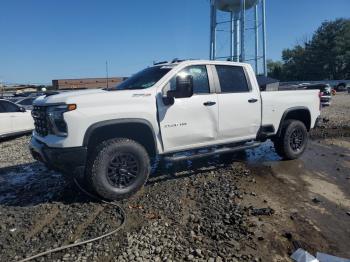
(195, 70)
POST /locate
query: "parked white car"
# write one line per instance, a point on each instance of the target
(14, 120)
(170, 108)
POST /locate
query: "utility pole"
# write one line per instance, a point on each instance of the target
(236, 37)
(264, 36)
(107, 74)
(243, 31)
(256, 27)
(2, 88)
(213, 25)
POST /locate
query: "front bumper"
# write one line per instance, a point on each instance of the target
(65, 160)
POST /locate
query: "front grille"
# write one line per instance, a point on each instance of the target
(41, 124)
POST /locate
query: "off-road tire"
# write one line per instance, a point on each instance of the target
(283, 142)
(100, 159)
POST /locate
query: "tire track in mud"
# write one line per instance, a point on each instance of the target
(41, 223)
(80, 230)
(63, 224)
(188, 205)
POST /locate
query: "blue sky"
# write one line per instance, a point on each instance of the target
(41, 40)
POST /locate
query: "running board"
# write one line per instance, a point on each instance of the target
(222, 150)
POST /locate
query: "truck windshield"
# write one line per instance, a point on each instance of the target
(143, 79)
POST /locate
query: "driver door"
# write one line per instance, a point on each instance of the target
(193, 121)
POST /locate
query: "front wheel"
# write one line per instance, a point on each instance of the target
(293, 140)
(118, 168)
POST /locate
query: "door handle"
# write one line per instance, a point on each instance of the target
(209, 103)
(253, 100)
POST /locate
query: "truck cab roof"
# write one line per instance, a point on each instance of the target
(198, 61)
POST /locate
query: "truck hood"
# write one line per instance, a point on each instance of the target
(62, 97)
(91, 97)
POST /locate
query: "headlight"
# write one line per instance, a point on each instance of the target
(56, 119)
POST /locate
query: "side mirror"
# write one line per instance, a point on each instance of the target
(22, 109)
(184, 87)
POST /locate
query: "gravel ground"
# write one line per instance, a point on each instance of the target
(191, 211)
(339, 112)
(15, 152)
(187, 212)
(335, 119)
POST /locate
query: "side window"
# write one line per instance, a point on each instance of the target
(9, 107)
(2, 108)
(232, 79)
(200, 79)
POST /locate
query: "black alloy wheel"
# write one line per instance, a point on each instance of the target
(118, 168)
(292, 141)
(122, 170)
(297, 139)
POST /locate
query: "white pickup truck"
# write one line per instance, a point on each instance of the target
(168, 108)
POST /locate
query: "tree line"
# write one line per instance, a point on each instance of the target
(325, 57)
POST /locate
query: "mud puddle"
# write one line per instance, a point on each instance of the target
(311, 197)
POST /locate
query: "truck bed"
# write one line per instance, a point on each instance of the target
(275, 104)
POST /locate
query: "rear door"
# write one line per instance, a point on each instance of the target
(239, 104)
(5, 120)
(190, 122)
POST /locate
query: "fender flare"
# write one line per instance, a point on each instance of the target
(289, 110)
(122, 121)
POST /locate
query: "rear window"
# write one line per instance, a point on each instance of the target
(232, 79)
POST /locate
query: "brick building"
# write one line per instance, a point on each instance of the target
(86, 83)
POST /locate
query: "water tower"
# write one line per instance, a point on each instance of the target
(241, 24)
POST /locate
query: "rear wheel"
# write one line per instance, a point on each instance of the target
(293, 140)
(118, 168)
